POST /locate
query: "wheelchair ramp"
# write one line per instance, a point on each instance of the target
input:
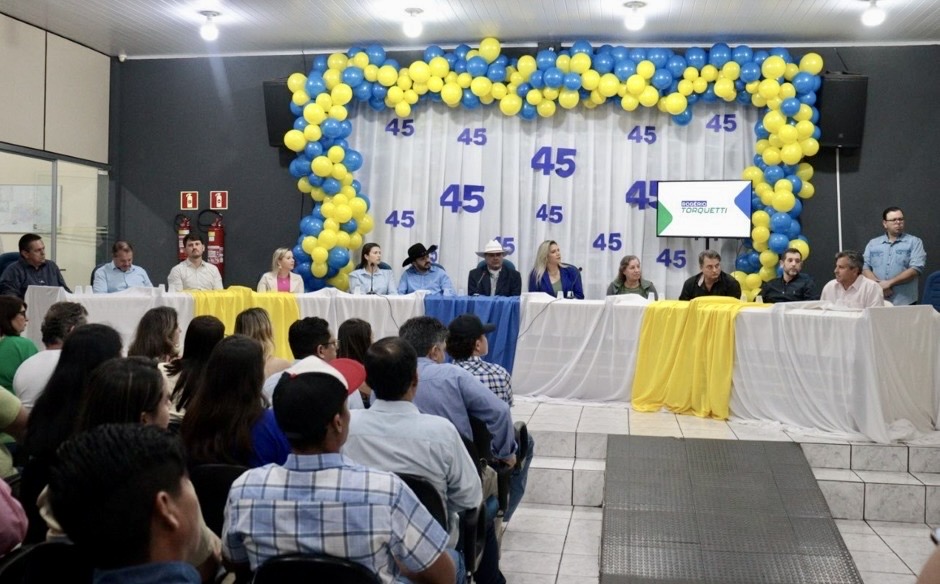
(721, 511)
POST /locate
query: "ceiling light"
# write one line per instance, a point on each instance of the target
(412, 26)
(209, 31)
(873, 15)
(635, 20)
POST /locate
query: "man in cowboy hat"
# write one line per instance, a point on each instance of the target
(423, 275)
(495, 278)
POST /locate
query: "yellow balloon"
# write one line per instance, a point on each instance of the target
(480, 86)
(404, 80)
(365, 225)
(791, 71)
(339, 112)
(758, 234)
(775, 141)
(752, 281)
(768, 88)
(371, 73)
(313, 113)
(788, 134)
(699, 85)
(435, 84)
(767, 273)
(403, 109)
(774, 103)
(486, 99)
(590, 79)
(685, 87)
(550, 93)
(792, 153)
(771, 155)
(332, 78)
(351, 264)
(526, 66)
(760, 218)
(303, 185)
(805, 113)
(309, 243)
(358, 207)
(636, 84)
(336, 154)
(724, 88)
(753, 174)
(360, 60)
(758, 100)
(649, 97)
(327, 239)
(546, 108)
(337, 61)
(807, 191)
(563, 62)
(580, 63)
(783, 185)
(784, 201)
(805, 129)
(327, 209)
(355, 241)
(464, 79)
(325, 101)
(811, 63)
(773, 121)
(645, 69)
(740, 277)
(760, 145)
(787, 90)
(294, 140)
(317, 194)
(342, 239)
(387, 75)
(802, 246)
(804, 171)
(438, 67)
(596, 98)
(534, 97)
(676, 103)
(420, 72)
(296, 82)
(690, 74)
(510, 105)
(568, 98)
(489, 49)
(760, 246)
(773, 67)
(339, 171)
(300, 98)
(709, 73)
(768, 259)
(608, 85)
(322, 166)
(809, 146)
(319, 269)
(342, 214)
(451, 93)
(395, 94)
(340, 199)
(498, 91)
(731, 70)
(340, 281)
(450, 77)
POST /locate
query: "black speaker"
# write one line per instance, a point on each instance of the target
(277, 111)
(841, 101)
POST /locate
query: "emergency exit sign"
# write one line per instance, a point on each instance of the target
(189, 200)
(218, 200)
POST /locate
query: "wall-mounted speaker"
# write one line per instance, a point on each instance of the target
(842, 101)
(277, 111)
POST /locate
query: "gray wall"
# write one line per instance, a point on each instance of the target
(198, 124)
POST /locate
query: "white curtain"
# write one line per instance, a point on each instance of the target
(410, 173)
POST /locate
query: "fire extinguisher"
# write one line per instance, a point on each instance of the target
(215, 233)
(182, 230)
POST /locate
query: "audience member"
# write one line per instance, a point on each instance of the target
(793, 285)
(370, 277)
(467, 345)
(307, 337)
(711, 281)
(125, 391)
(12, 520)
(121, 493)
(352, 341)
(228, 420)
(14, 349)
(157, 336)
(281, 278)
(194, 273)
(31, 269)
(256, 324)
(330, 504)
(13, 420)
(551, 276)
(849, 288)
(185, 373)
(33, 375)
(52, 419)
(895, 260)
(423, 274)
(120, 273)
(494, 278)
(630, 280)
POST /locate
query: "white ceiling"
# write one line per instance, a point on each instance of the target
(169, 28)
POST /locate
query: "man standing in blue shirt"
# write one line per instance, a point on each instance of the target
(120, 273)
(895, 259)
(423, 275)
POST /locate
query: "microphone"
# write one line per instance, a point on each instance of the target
(480, 281)
(371, 278)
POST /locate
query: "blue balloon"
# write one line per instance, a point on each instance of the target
(319, 64)
(809, 98)
(603, 63)
(692, 98)
(331, 186)
(545, 59)
(297, 170)
(772, 174)
(376, 55)
(683, 118)
(353, 160)
(606, 48)
(572, 81)
(314, 180)
(460, 66)
(817, 82)
(331, 128)
(349, 226)
(377, 103)
(502, 60)
(317, 212)
(756, 204)
(719, 54)
(815, 117)
(331, 271)
(536, 80)
(345, 129)
(759, 130)
(431, 52)
(790, 106)
(796, 181)
(742, 264)
(662, 79)
(477, 66)
(581, 46)
(314, 85)
(363, 92)
(637, 55)
(393, 64)
(782, 53)
(696, 57)
(802, 82)
(364, 197)
(796, 210)
(677, 66)
(451, 59)
(300, 124)
(624, 69)
(778, 243)
(523, 89)
(341, 143)
(295, 109)
(352, 76)
(795, 228)
(750, 71)
(469, 100)
(300, 256)
(496, 72)
(760, 56)
(754, 259)
(619, 53)
(741, 54)
(780, 222)
(709, 95)
(553, 77)
(817, 133)
(379, 91)
(528, 111)
(353, 51)
(759, 161)
(658, 57)
(743, 97)
(356, 185)
(461, 51)
(747, 243)
(310, 225)
(312, 150)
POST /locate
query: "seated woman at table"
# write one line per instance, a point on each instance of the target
(281, 278)
(157, 335)
(14, 349)
(629, 280)
(256, 324)
(368, 277)
(551, 276)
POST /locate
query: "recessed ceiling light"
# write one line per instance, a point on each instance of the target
(635, 20)
(874, 15)
(412, 26)
(209, 31)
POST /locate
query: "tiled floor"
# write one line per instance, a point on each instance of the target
(547, 544)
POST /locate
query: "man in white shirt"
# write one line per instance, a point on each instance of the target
(850, 288)
(34, 373)
(194, 273)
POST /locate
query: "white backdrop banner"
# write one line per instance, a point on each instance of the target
(587, 179)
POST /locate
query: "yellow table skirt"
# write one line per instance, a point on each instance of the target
(686, 356)
(226, 304)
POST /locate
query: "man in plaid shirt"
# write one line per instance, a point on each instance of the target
(322, 502)
(466, 345)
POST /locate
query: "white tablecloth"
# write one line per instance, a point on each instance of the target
(385, 313)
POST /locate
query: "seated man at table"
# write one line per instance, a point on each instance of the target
(494, 278)
(850, 288)
(793, 286)
(31, 269)
(194, 273)
(120, 273)
(449, 391)
(424, 275)
(711, 281)
(320, 501)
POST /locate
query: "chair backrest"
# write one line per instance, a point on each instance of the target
(384, 266)
(482, 438)
(8, 258)
(212, 483)
(45, 562)
(312, 568)
(507, 263)
(932, 291)
(429, 496)
(93, 270)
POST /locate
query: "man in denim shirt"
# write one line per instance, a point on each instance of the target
(895, 259)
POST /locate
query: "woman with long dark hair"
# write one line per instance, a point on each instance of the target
(157, 336)
(125, 391)
(228, 420)
(368, 276)
(353, 339)
(183, 374)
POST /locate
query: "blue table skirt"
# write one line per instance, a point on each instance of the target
(499, 310)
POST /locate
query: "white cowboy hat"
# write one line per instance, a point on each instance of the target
(491, 246)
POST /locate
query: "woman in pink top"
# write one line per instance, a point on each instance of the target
(281, 278)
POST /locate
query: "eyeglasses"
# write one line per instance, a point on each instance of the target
(334, 344)
(23, 312)
(895, 220)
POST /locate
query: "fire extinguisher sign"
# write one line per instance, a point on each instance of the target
(218, 200)
(189, 200)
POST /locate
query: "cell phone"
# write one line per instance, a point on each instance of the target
(935, 536)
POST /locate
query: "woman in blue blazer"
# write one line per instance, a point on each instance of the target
(551, 276)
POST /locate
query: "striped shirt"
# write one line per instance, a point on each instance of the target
(327, 503)
(491, 375)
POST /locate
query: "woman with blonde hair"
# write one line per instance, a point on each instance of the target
(551, 276)
(281, 278)
(629, 280)
(256, 324)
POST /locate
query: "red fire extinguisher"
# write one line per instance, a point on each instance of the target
(182, 230)
(215, 233)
